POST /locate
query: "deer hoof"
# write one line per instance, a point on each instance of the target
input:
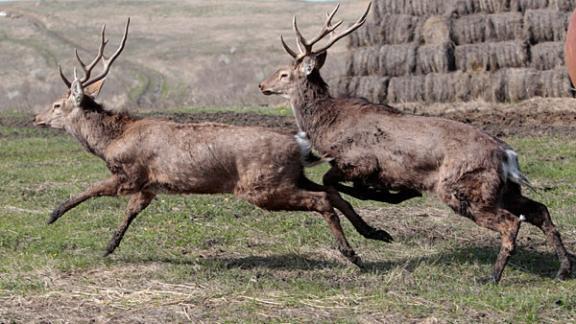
(380, 235)
(563, 274)
(491, 280)
(54, 216)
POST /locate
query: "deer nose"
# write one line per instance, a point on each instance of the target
(260, 86)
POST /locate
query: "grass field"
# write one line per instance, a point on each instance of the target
(213, 258)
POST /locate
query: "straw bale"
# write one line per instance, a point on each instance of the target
(545, 25)
(372, 88)
(387, 60)
(491, 56)
(457, 86)
(504, 26)
(435, 58)
(521, 84)
(523, 5)
(368, 35)
(547, 55)
(414, 7)
(398, 29)
(364, 61)
(563, 5)
(392, 29)
(407, 89)
(396, 60)
(436, 30)
(466, 7)
(469, 29)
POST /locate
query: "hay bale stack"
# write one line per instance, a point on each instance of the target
(459, 50)
(491, 56)
(407, 89)
(545, 25)
(435, 59)
(546, 56)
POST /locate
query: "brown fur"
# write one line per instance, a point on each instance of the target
(379, 147)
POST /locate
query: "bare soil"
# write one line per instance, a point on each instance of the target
(498, 122)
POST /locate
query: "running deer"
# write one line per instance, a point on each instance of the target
(377, 146)
(151, 156)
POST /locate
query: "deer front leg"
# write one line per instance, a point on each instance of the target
(343, 206)
(138, 202)
(108, 187)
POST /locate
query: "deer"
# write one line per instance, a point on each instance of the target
(148, 156)
(379, 147)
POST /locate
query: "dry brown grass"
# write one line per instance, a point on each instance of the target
(194, 52)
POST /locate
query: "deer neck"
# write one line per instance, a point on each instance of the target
(96, 128)
(309, 104)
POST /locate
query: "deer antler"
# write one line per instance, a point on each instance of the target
(109, 61)
(305, 47)
(87, 68)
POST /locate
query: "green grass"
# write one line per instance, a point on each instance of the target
(207, 258)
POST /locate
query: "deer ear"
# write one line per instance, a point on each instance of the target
(77, 92)
(308, 65)
(321, 59)
(94, 89)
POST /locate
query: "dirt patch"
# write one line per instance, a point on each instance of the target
(530, 118)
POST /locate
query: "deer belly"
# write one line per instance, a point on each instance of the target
(197, 181)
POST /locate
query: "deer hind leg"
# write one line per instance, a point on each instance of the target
(108, 187)
(537, 214)
(348, 211)
(138, 202)
(494, 218)
(302, 200)
(508, 225)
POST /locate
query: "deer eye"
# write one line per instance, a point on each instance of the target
(57, 106)
(284, 75)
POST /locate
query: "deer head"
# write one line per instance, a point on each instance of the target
(81, 91)
(307, 62)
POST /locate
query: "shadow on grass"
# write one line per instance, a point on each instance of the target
(543, 264)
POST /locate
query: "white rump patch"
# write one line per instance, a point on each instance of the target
(511, 169)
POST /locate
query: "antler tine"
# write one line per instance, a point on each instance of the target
(350, 29)
(66, 81)
(88, 68)
(327, 28)
(108, 62)
(287, 48)
(301, 42)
